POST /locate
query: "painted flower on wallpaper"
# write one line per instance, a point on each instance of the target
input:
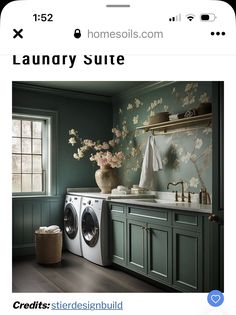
(207, 130)
(135, 152)
(135, 119)
(103, 156)
(188, 97)
(198, 143)
(204, 98)
(193, 158)
(188, 100)
(166, 107)
(191, 87)
(194, 182)
(124, 131)
(120, 111)
(185, 158)
(130, 106)
(137, 103)
(154, 104)
(146, 122)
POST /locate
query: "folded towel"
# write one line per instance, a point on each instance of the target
(42, 229)
(51, 228)
(151, 163)
(56, 231)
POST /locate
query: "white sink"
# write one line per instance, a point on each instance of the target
(151, 200)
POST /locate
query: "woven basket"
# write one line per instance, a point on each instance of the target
(48, 247)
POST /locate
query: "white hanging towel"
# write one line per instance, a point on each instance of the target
(151, 163)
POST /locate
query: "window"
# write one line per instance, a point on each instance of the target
(30, 155)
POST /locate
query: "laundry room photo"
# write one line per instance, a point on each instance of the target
(115, 188)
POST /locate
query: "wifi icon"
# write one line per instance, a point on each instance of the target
(190, 17)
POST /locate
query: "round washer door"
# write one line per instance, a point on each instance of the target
(70, 221)
(90, 226)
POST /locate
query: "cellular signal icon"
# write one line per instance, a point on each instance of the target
(176, 18)
(190, 17)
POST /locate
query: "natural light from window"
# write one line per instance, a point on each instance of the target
(28, 174)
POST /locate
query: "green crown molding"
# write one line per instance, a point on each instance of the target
(144, 88)
(60, 92)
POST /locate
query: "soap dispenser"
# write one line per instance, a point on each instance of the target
(204, 197)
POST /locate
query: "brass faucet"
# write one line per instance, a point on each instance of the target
(176, 193)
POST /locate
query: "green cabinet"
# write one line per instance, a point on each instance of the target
(162, 244)
(159, 263)
(149, 249)
(118, 234)
(137, 247)
(187, 260)
(187, 251)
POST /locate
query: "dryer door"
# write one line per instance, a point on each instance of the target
(90, 226)
(70, 221)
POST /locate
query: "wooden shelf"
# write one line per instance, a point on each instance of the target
(178, 123)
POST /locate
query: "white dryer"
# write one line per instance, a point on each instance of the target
(72, 234)
(94, 231)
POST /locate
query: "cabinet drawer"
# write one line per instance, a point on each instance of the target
(117, 208)
(152, 215)
(188, 221)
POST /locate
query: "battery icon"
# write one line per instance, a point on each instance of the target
(208, 17)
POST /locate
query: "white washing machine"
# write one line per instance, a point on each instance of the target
(94, 231)
(72, 233)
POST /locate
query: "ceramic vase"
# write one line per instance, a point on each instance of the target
(106, 179)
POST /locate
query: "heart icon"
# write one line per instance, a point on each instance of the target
(215, 298)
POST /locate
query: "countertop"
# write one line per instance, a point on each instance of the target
(93, 194)
(164, 199)
(194, 207)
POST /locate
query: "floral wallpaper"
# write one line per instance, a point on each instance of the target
(186, 154)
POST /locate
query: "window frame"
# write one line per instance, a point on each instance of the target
(50, 149)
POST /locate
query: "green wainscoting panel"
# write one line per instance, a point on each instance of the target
(187, 260)
(160, 253)
(18, 223)
(137, 248)
(118, 240)
(28, 233)
(28, 214)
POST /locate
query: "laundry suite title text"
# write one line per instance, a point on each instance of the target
(67, 60)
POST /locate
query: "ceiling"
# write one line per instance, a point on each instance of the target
(105, 88)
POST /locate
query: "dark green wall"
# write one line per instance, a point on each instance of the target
(91, 115)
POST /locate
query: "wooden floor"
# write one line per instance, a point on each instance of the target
(74, 274)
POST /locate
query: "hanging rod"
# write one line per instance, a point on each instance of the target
(186, 129)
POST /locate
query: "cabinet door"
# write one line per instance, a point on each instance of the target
(118, 236)
(159, 253)
(187, 260)
(137, 249)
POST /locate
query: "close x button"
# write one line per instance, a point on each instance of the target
(18, 33)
